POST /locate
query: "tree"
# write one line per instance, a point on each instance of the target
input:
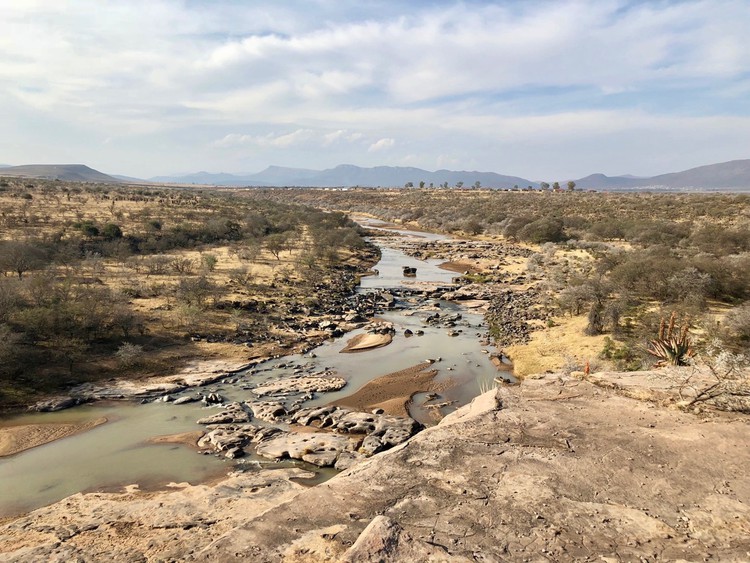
(276, 243)
(459, 185)
(556, 186)
(544, 186)
(409, 185)
(571, 185)
(20, 257)
(477, 185)
(421, 185)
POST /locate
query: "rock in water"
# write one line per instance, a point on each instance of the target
(233, 412)
(318, 448)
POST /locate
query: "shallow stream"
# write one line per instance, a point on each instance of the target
(117, 453)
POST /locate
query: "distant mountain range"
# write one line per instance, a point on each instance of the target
(347, 175)
(733, 176)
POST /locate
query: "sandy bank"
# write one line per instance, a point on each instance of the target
(16, 439)
(363, 342)
(391, 392)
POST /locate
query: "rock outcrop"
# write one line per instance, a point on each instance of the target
(554, 469)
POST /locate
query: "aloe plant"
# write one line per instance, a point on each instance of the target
(673, 346)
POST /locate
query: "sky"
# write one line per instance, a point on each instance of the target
(538, 89)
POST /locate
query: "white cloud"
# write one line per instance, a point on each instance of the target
(382, 145)
(284, 141)
(469, 80)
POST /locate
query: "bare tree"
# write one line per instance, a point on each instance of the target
(20, 257)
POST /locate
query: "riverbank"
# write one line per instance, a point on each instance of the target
(555, 468)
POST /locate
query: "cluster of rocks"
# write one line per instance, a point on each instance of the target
(471, 292)
(509, 314)
(446, 320)
(343, 436)
(300, 383)
(456, 250)
(379, 327)
(335, 305)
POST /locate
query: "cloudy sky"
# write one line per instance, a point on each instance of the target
(539, 89)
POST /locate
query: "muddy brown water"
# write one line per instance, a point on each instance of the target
(117, 453)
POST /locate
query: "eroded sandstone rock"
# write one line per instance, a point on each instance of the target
(318, 448)
(300, 384)
(231, 413)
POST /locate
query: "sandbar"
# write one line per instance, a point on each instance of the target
(16, 439)
(460, 267)
(184, 438)
(391, 392)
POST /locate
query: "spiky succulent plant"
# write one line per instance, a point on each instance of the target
(673, 346)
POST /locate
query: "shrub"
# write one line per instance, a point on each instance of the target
(129, 355)
(111, 231)
(737, 327)
(88, 228)
(542, 230)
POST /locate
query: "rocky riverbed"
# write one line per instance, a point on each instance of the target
(556, 469)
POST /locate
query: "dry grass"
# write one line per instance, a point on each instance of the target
(40, 212)
(550, 349)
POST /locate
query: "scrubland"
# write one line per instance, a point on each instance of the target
(612, 267)
(102, 281)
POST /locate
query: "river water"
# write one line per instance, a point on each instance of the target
(116, 454)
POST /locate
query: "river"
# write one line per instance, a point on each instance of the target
(116, 454)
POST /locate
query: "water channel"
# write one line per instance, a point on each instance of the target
(116, 454)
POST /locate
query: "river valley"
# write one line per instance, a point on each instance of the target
(120, 452)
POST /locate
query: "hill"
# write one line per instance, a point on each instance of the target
(70, 172)
(732, 175)
(726, 176)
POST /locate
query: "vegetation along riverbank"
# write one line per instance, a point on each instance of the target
(102, 281)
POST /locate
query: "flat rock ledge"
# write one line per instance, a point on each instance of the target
(554, 469)
(196, 374)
